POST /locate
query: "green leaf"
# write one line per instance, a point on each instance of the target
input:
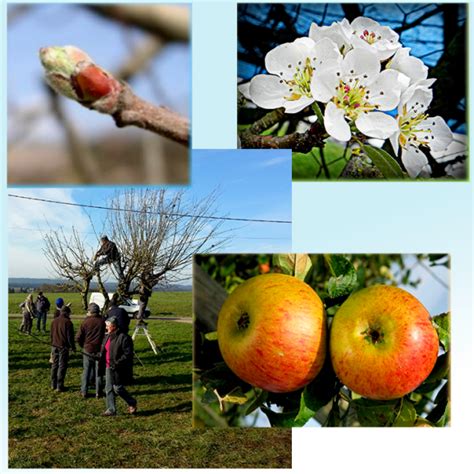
(375, 412)
(405, 415)
(297, 265)
(280, 420)
(260, 397)
(344, 279)
(334, 417)
(442, 326)
(440, 370)
(211, 336)
(236, 396)
(384, 162)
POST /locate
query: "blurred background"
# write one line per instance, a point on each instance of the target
(52, 139)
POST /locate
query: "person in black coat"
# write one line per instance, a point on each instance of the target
(123, 319)
(62, 341)
(117, 354)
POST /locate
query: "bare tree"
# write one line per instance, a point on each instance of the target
(70, 258)
(156, 231)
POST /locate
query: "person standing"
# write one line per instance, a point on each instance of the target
(28, 313)
(123, 320)
(62, 341)
(89, 337)
(117, 352)
(42, 307)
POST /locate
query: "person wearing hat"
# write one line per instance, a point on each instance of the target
(89, 336)
(59, 304)
(117, 352)
(62, 341)
(28, 313)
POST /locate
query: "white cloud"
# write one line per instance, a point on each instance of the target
(29, 220)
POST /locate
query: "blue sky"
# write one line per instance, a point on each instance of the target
(252, 184)
(108, 43)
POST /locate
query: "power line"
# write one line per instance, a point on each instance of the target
(174, 214)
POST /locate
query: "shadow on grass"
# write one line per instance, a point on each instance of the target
(182, 407)
(175, 379)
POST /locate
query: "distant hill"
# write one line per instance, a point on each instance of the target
(111, 286)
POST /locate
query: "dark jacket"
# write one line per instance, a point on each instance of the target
(42, 304)
(91, 333)
(123, 320)
(121, 357)
(110, 250)
(62, 333)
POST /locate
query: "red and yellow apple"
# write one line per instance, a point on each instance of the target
(272, 332)
(382, 343)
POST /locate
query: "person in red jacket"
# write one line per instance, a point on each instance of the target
(117, 352)
(89, 337)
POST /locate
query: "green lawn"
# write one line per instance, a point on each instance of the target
(162, 303)
(52, 430)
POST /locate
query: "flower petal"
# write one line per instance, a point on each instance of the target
(377, 125)
(394, 141)
(385, 91)
(415, 101)
(268, 91)
(325, 81)
(334, 32)
(414, 160)
(283, 60)
(335, 123)
(294, 106)
(411, 66)
(362, 65)
(439, 134)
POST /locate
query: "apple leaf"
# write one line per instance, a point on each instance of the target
(297, 265)
(405, 414)
(236, 396)
(260, 396)
(220, 377)
(374, 412)
(211, 336)
(440, 370)
(280, 420)
(442, 326)
(334, 416)
(386, 164)
(344, 276)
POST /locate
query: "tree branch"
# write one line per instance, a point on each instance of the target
(72, 73)
(161, 120)
(299, 142)
(169, 22)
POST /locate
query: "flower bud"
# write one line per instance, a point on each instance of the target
(72, 73)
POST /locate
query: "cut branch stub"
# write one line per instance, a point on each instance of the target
(72, 73)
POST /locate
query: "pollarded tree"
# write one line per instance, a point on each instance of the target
(156, 232)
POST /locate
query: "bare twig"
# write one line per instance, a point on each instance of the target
(169, 22)
(300, 142)
(72, 73)
(135, 111)
(81, 157)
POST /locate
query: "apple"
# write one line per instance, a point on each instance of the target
(272, 332)
(382, 343)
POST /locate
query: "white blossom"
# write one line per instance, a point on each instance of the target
(416, 128)
(356, 92)
(291, 67)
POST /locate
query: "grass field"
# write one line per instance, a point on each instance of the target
(52, 430)
(162, 303)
